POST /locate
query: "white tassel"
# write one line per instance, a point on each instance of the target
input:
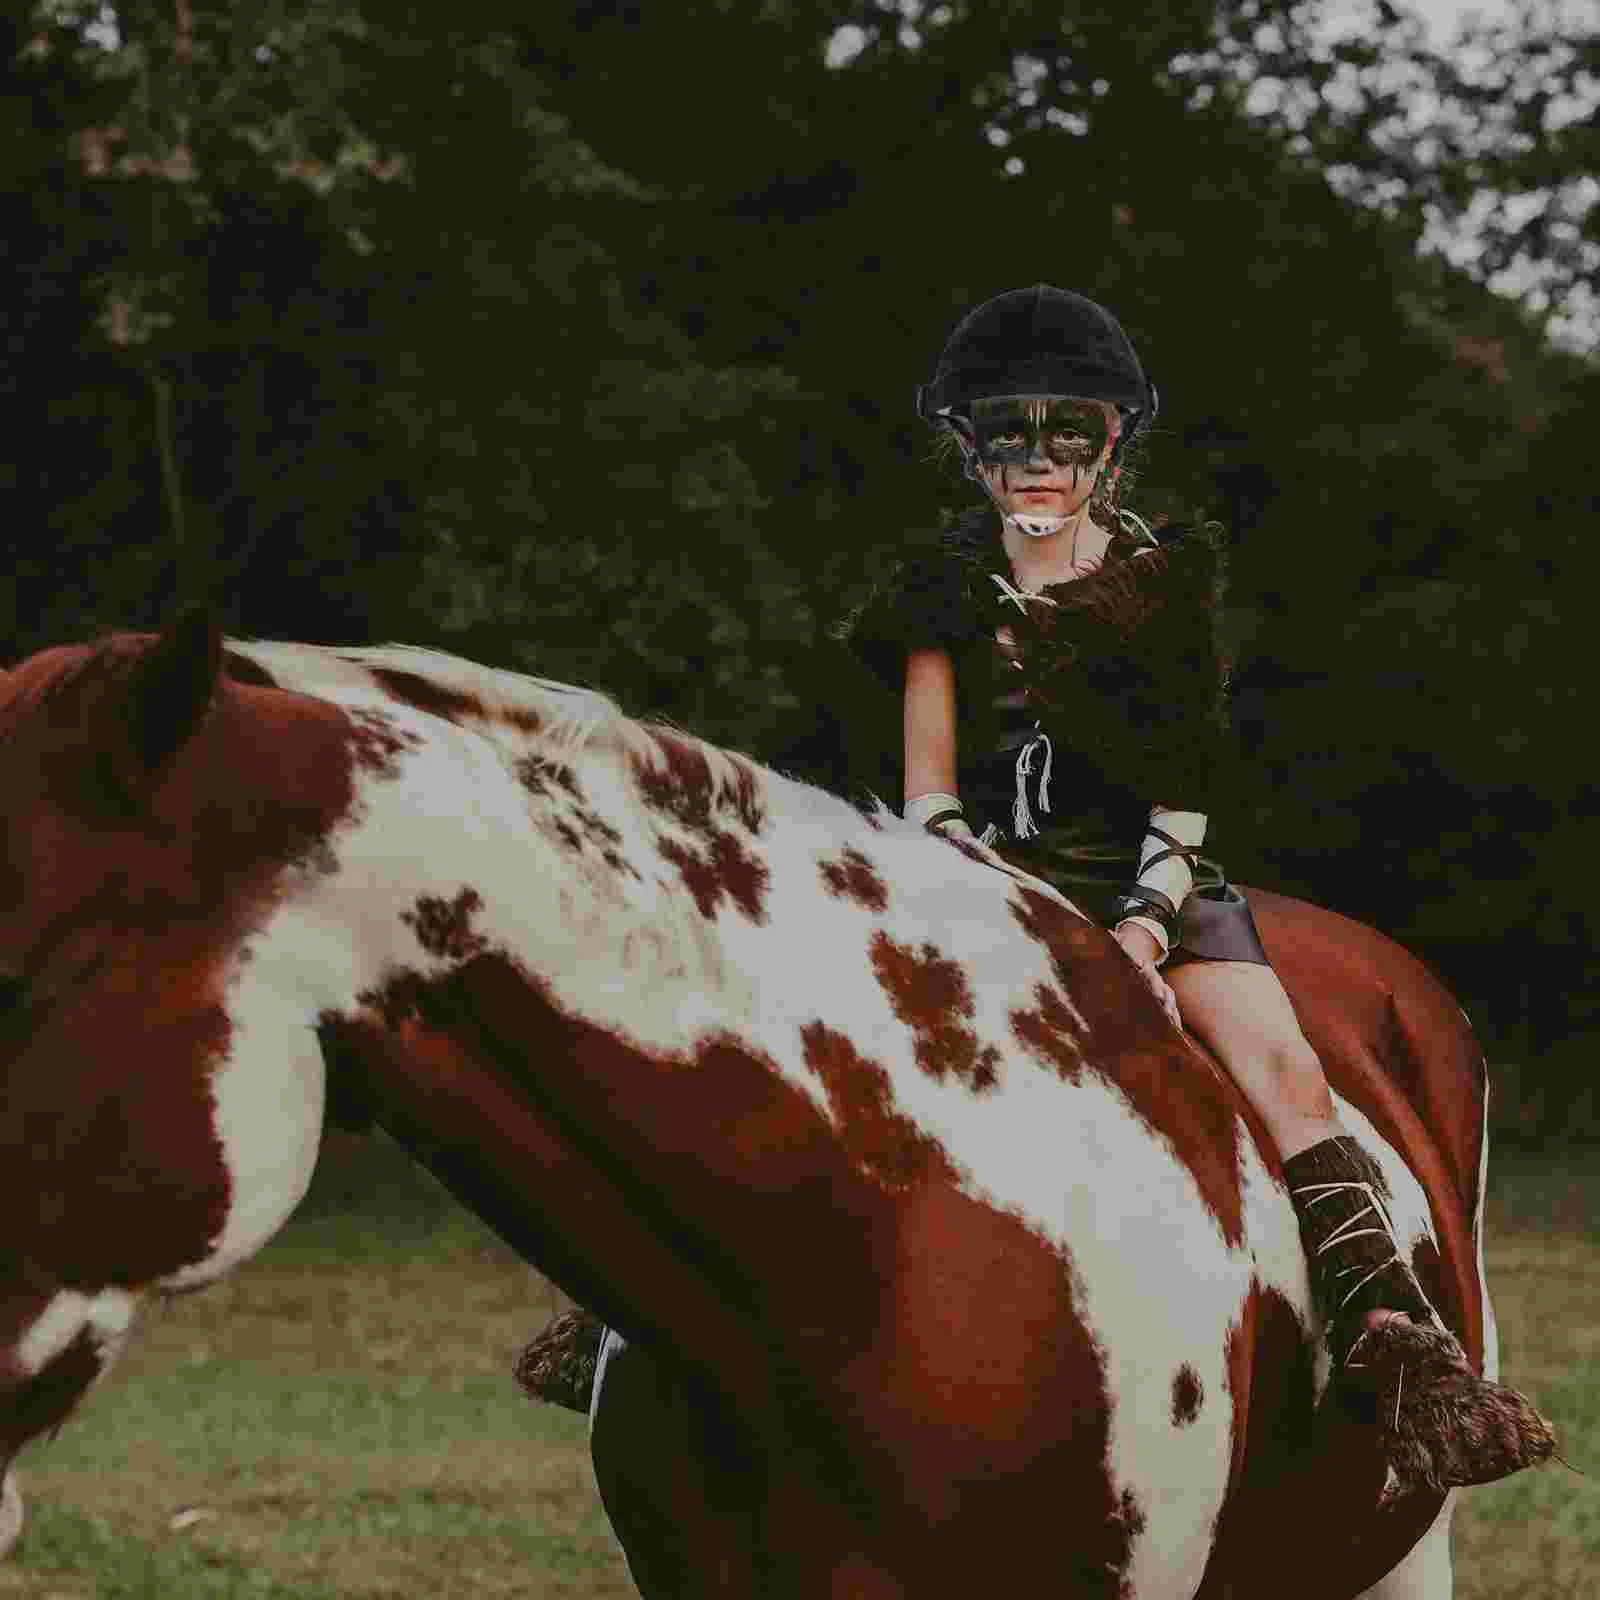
(1022, 823)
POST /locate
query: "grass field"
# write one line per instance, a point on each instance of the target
(339, 1420)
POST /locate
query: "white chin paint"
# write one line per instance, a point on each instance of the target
(1036, 527)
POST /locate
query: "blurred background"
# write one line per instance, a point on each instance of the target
(581, 340)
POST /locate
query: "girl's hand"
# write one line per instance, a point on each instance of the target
(1143, 949)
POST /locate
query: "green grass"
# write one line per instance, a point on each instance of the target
(342, 1417)
(1537, 1536)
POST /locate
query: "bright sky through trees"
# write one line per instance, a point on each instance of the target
(1459, 238)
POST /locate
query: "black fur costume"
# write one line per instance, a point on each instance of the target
(1125, 673)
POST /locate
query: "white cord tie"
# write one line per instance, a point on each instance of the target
(1019, 597)
(1022, 824)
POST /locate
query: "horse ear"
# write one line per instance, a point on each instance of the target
(173, 685)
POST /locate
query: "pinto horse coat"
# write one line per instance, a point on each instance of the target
(972, 1258)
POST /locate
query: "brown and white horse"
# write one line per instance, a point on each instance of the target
(975, 1263)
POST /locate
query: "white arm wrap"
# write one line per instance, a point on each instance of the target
(1173, 877)
(930, 805)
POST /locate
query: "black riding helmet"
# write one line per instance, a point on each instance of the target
(1041, 340)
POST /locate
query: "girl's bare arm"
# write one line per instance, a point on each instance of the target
(930, 724)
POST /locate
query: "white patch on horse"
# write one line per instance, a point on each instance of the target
(51, 1332)
(457, 817)
(1137, 1225)
(267, 1100)
(107, 1316)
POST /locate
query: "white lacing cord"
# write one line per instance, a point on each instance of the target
(1347, 1229)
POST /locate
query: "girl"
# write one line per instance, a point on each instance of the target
(1060, 670)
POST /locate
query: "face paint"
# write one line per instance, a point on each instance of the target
(1012, 430)
(1047, 434)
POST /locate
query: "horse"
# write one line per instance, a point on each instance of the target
(944, 1241)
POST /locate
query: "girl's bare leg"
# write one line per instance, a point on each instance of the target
(1243, 1015)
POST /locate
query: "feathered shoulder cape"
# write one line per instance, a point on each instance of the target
(1125, 665)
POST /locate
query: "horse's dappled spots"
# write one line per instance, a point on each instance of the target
(729, 870)
(575, 823)
(1187, 1395)
(883, 1141)
(853, 877)
(931, 995)
(1054, 1031)
(719, 862)
(684, 786)
(444, 927)
(1168, 1084)
(378, 742)
(539, 774)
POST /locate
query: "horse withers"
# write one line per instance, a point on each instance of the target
(938, 1224)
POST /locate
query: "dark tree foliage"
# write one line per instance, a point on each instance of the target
(583, 341)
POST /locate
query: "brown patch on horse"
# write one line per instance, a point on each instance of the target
(129, 932)
(876, 1136)
(444, 927)
(931, 995)
(1170, 1087)
(853, 877)
(1052, 1032)
(922, 1362)
(377, 742)
(719, 863)
(1187, 1395)
(683, 787)
(730, 870)
(538, 775)
(441, 700)
(1429, 1270)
